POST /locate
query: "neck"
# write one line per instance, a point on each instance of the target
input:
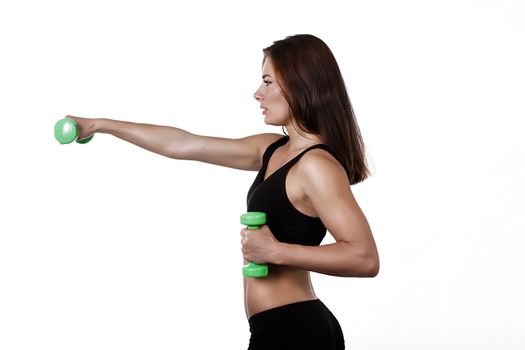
(300, 139)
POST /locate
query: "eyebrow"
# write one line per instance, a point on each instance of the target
(266, 76)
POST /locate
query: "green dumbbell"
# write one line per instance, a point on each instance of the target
(253, 220)
(67, 131)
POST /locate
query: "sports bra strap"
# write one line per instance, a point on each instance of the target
(294, 160)
(272, 147)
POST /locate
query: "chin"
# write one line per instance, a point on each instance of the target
(268, 121)
(274, 121)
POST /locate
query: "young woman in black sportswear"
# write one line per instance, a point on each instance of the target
(303, 185)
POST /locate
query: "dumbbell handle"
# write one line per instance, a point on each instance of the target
(253, 220)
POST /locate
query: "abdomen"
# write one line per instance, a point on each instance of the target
(282, 286)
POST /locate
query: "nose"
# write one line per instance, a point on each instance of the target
(257, 94)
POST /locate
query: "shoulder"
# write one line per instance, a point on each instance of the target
(262, 141)
(319, 162)
(319, 170)
(256, 146)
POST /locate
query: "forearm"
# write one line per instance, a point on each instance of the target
(338, 259)
(165, 140)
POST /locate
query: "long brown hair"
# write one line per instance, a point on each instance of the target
(312, 84)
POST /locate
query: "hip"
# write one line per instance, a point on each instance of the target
(302, 325)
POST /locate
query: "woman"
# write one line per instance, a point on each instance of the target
(303, 186)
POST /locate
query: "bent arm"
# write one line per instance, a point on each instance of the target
(244, 153)
(354, 254)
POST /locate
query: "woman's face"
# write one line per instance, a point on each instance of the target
(275, 108)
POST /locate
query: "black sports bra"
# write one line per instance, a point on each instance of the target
(269, 196)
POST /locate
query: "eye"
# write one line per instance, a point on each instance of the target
(267, 82)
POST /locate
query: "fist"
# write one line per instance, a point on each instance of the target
(259, 246)
(86, 126)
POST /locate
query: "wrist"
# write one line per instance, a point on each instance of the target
(98, 125)
(278, 256)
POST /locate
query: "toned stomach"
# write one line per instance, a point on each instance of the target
(283, 285)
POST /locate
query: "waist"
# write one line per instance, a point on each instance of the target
(282, 286)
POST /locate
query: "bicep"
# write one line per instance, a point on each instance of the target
(243, 153)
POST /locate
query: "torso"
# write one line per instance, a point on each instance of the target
(284, 285)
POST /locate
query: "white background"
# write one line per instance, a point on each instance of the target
(107, 246)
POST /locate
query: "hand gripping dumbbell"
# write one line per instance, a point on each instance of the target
(253, 220)
(67, 131)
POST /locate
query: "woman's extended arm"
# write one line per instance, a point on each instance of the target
(244, 153)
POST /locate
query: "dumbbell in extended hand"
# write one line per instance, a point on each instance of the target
(253, 220)
(67, 131)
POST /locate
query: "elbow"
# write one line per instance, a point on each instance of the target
(367, 269)
(367, 266)
(371, 263)
(372, 269)
(359, 262)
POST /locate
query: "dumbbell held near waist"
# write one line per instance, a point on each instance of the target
(253, 220)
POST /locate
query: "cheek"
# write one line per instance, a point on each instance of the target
(278, 99)
(284, 108)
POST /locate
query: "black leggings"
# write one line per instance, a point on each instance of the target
(307, 325)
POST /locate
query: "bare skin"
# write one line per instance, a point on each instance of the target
(316, 186)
